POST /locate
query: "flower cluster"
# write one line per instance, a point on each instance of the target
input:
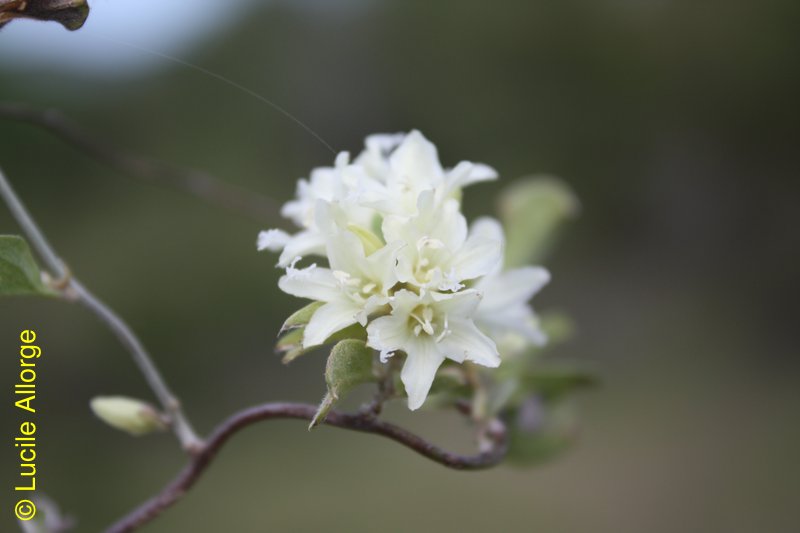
(402, 261)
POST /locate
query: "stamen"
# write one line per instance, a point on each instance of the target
(445, 330)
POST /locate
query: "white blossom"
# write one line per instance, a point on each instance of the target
(355, 285)
(504, 311)
(403, 262)
(440, 254)
(430, 328)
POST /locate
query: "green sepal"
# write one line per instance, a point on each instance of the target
(291, 344)
(349, 365)
(301, 317)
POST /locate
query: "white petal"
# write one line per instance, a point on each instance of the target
(308, 242)
(442, 221)
(451, 228)
(381, 265)
(481, 172)
(466, 173)
(313, 283)
(273, 240)
(416, 162)
(388, 334)
(329, 319)
(466, 342)
(346, 253)
(384, 143)
(519, 319)
(459, 304)
(405, 301)
(422, 362)
(342, 159)
(480, 255)
(487, 228)
(511, 288)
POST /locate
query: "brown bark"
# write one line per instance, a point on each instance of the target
(69, 13)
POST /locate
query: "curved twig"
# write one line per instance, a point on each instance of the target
(198, 183)
(72, 289)
(356, 422)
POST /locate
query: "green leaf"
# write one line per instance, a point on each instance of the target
(540, 430)
(301, 317)
(349, 364)
(532, 210)
(19, 273)
(556, 384)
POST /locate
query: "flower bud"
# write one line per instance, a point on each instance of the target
(130, 415)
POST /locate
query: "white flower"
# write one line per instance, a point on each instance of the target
(440, 254)
(356, 284)
(504, 310)
(387, 177)
(429, 329)
(410, 169)
(403, 262)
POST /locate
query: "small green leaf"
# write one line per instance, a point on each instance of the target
(556, 384)
(540, 430)
(532, 210)
(19, 273)
(301, 317)
(349, 364)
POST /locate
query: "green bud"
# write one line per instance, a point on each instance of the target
(349, 364)
(532, 210)
(127, 414)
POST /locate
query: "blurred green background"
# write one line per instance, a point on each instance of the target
(675, 123)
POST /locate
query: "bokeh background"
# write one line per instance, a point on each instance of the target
(675, 123)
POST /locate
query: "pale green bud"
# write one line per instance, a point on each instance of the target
(128, 414)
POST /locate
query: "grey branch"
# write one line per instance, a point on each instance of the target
(75, 290)
(362, 422)
(195, 182)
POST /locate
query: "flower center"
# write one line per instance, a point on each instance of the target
(357, 289)
(427, 263)
(423, 319)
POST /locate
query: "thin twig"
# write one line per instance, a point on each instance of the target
(170, 494)
(198, 183)
(183, 429)
(31, 229)
(74, 290)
